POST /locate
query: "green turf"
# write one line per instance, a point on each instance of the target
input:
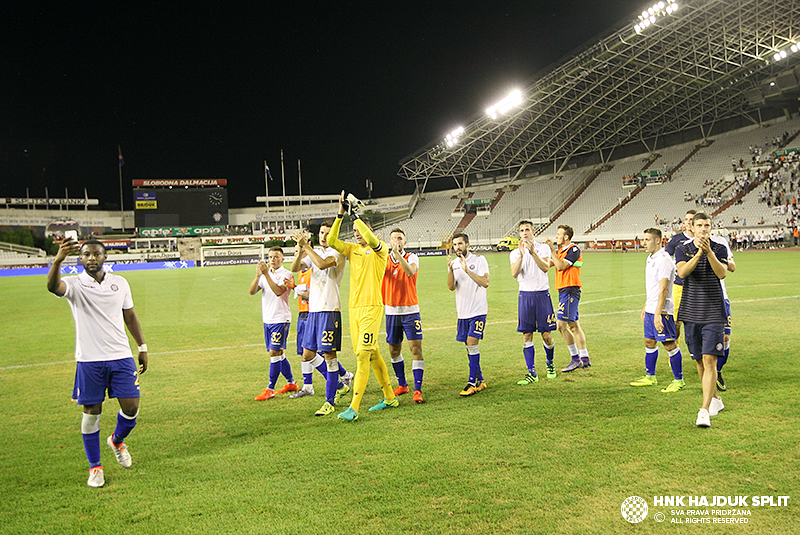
(559, 456)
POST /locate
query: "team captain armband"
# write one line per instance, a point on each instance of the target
(577, 263)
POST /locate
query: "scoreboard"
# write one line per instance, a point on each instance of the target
(180, 206)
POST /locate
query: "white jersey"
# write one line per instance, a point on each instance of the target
(471, 297)
(275, 308)
(723, 241)
(659, 267)
(531, 278)
(99, 324)
(323, 291)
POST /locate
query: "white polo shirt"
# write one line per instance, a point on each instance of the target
(471, 299)
(323, 291)
(659, 266)
(275, 308)
(99, 324)
(531, 278)
(723, 241)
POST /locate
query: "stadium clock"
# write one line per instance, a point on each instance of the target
(215, 198)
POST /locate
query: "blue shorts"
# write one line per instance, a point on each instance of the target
(669, 334)
(535, 312)
(396, 325)
(471, 327)
(275, 335)
(704, 339)
(728, 315)
(92, 379)
(568, 301)
(323, 332)
(302, 319)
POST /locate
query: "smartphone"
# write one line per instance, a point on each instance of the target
(71, 235)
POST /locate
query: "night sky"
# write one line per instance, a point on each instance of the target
(212, 89)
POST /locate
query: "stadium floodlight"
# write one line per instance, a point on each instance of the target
(501, 108)
(650, 15)
(783, 54)
(452, 138)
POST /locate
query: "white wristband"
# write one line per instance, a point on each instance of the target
(143, 348)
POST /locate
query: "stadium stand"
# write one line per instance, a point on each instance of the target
(712, 163)
(432, 221)
(698, 169)
(12, 254)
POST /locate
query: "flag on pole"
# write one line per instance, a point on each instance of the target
(266, 170)
(121, 159)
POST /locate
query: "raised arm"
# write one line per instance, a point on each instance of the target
(299, 254)
(451, 279)
(54, 283)
(685, 268)
(720, 268)
(254, 283)
(543, 264)
(516, 267)
(559, 264)
(366, 233)
(276, 289)
(333, 236)
(480, 280)
(408, 269)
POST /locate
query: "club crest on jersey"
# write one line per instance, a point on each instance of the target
(368, 251)
(472, 267)
(394, 272)
(114, 287)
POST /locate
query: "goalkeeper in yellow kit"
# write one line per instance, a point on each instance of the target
(367, 266)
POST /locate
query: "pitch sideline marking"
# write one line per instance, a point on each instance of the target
(200, 350)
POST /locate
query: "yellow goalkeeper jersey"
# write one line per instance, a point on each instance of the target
(367, 264)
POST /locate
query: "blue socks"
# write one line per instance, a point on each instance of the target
(475, 374)
(676, 362)
(721, 361)
(650, 359)
(286, 369)
(274, 371)
(529, 351)
(125, 425)
(308, 373)
(399, 366)
(418, 369)
(332, 384)
(90, 428)
(548, 353)
(277, 366)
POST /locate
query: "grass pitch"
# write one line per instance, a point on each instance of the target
(559, 456)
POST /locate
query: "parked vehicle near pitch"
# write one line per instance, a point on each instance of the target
(508, 243)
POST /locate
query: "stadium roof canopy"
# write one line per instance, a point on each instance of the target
(691, 70)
